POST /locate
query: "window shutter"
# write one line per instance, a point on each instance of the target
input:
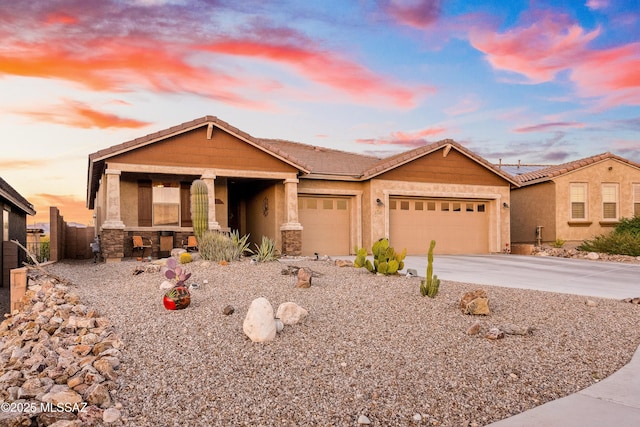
(144, 203)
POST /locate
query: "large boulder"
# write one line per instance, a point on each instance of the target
(259, 324)
(304, 278)
(475, 303)
(291, 313)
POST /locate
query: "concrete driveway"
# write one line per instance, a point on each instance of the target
(570, 276)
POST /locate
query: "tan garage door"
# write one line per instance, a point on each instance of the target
(325, 222)
(457, 226)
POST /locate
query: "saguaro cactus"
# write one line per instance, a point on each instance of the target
(199, 208)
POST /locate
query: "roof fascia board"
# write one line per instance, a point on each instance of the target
(25, 208)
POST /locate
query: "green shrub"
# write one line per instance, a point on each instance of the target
(623, 240)
(215, 246)
(624, 243)
(558, 243)
(185, 258)
(266, 251)
(45, 249)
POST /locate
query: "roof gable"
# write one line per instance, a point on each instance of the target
(8, 193)
(551, 172)
(443, 149)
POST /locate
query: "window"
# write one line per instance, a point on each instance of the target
(312, 203)
(578, 200)
(404, 205)
(341, 205)
(166, 204)
(431, 206)
(636, 199)
(469, 207)
(481, 207)
(609, 201)
(392, 204)
(456, 207)
(444, 206)
(419, 206)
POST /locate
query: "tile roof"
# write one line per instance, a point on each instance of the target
(10, 194)
(548, 173)
(326, 161)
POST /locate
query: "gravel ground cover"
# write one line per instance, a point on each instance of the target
(372, 346)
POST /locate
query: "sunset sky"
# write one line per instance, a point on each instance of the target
(537, 81)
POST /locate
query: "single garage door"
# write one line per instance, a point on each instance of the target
(457, 226)
(325, 222)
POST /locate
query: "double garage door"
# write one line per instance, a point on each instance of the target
(326, 225)
(457, 226)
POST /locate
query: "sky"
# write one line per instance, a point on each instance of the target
(541, 82)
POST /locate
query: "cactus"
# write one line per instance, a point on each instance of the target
(385, 258)
(430, 285)
(199, 208)
(361, 257)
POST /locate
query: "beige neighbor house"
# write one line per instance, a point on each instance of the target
(574, 201)
(307, 199)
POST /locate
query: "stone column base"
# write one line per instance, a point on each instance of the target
(292, 242)
(112, 244)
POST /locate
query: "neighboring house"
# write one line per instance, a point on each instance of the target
(15, 209)
(574, 201)
(307, 199)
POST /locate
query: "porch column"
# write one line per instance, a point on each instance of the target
(112, 230)
(113, 219)
(209, 179)
(291, 229)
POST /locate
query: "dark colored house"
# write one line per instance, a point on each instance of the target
(15, 209)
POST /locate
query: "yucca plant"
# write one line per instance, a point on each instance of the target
(215, 246)
(266, 251)
(241, 244)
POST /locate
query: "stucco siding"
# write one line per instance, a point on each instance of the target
(609, 171)
(533, 206)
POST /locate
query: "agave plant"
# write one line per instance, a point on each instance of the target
(176, 272)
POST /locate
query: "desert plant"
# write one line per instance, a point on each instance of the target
(185, 258)
(623, 240)
(431, 284)
(174, 272)
(241, 244)
(45, 249)
(385, 259)
(266, 251)
(558, 243)
(215, 246)
(199, 208)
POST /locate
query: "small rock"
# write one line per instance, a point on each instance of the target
(343, 263)
(495, 334)
(304, 278)
(511, 329)
(593, 256)
(475, 303)
(475, 328)
(279, 325)
(362, 419)
(291, 313)
(110, 415)
(591, 303)
(417, 418)
(228, 310)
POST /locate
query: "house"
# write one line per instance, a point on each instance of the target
(307, 199)
(15, 209)
(574, 201)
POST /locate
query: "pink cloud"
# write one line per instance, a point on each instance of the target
(323, 67)
(545, 44)
(405, 139)
(469, 104)
(543, 127)
(80, 115)
(414, 13)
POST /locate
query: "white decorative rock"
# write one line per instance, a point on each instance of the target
(166, 285)
(593, 255)
(259, 324)
(291, 313)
